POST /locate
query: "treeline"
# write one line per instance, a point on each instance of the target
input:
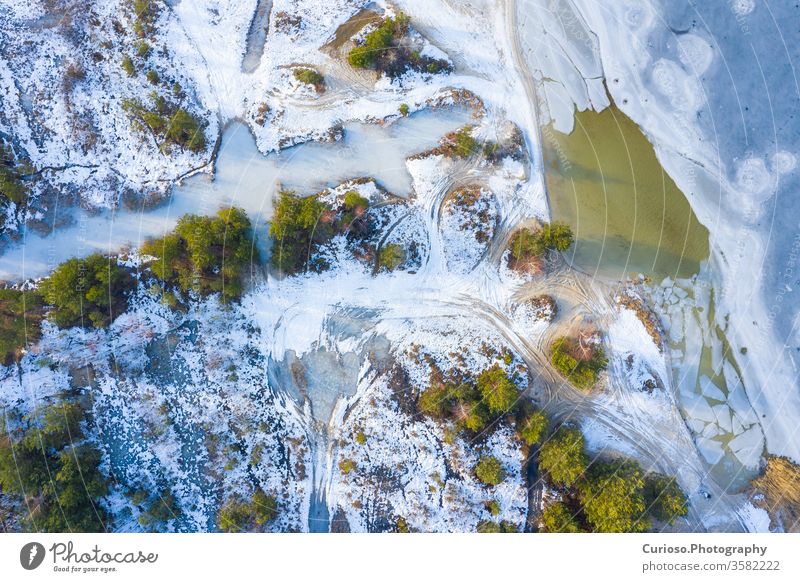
(603, 495)
(204, 255)
(48, 464)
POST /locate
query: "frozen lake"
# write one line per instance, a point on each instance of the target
(245, 178)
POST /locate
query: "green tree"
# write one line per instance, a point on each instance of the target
(533, 427)
(206, 254)
(562, 456)
(90, 291)
(45, 461)
(296, 228)
(434, 400)
(556, 236)
(557, 518)
(664, 498)
(391, 256)
(497, 390)
(376, 42)
(12, 185)
(613, 497)
(489, 471)
(241, 515)
(20, 315)
(582, 373)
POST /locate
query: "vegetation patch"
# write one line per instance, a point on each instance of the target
(169, 124)
(544, 307)
(206, 254)
(46, 461)
(247, 515)
(579, 360)
(20, 315)
(301, 226)
(310, 77)
(604, 496)
(87, 292)
(489, 471)
(527, 247)
(12, 185)
(389, 49)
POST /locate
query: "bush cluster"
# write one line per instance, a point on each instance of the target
(205, 254)
(300, 225)
(309, 77)
(243, 515)
(20, 315)
(581, 365)
(12, 186)
(604, 496)
(552, 236)
(168, 123)
(87, 292)
(45, 460)
(472, 404)
(385, 49)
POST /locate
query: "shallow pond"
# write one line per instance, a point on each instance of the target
(628, 215)
(246, 178)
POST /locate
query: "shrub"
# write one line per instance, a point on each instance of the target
(612, 497)
(206, 254)
(489, 471)
(533, 427)
(556, 236)
(20, 314)
(152, 77)
(158, 510)
(498, 391)
(12, 185)
(379, 40)
(309, 77)
(664, 498)
(493, 507)
(295, 228)
(353, 200)
(493, 527)
(562, 456)
(558, 518)
(391, 257)
(464, 144)
(43, 461)
(239, 515)
(404, 109)
(525, 243)
(128, 66)
(142, 49)
(90, 291)
(347, 465)
(582, 373)
(172, 125)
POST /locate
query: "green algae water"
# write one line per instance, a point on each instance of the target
(629, 217)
